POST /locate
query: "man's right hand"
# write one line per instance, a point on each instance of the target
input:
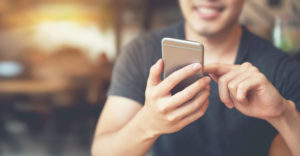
(164, 113)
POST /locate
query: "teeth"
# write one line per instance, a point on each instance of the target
(207, 10)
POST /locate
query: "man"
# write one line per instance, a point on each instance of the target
(253, 96)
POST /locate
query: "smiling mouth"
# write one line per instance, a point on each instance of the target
(207, 12)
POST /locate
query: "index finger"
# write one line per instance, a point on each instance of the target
(176, 77)
(218, 68)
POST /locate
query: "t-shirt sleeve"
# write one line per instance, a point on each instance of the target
(128, 74)
(290, 77)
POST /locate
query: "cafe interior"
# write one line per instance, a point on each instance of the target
(57, 56)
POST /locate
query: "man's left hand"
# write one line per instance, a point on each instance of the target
(248, 90)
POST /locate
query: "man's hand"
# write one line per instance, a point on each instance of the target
(248, 90)
(164, 113)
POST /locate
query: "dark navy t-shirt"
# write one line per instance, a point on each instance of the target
(220, 131)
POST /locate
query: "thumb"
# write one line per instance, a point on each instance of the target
(155, 74)
(214, 77)
(218, 69)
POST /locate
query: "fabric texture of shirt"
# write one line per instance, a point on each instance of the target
(221, 131)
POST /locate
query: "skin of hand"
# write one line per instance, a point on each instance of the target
(248, 90)
(166, 113)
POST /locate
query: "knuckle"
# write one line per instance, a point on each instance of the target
(239, 99)
(223, 80)
(187, 70)
(187, 93)
(172, 79)
(152, 94)
(202, 111)
(206, 94)
(162, 109)
(224, 99)
(231, 86)
(206, 105)
(261, 77)
(241, 86)
(197, 104)
(247, 64)
(254, 69)
(171, 118)
(178, 126)
(200, 83)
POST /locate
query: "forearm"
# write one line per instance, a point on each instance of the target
(133, 139)
(289, 127)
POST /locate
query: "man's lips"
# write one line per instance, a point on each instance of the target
(208, 12)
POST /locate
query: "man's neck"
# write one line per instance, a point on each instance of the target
(220, 48)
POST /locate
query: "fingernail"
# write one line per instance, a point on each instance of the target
(239, 95)
(229, 105)
(207, 79)
(196, 66)
(158, 63)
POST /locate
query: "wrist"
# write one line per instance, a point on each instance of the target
(144, 125)
(287, 117)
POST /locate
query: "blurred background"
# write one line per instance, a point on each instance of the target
(56, 58)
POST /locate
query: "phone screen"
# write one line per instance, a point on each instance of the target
(179, 53)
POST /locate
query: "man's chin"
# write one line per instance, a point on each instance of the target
(206, 32)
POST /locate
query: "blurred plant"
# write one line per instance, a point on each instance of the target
(295, 6)
(286, 33)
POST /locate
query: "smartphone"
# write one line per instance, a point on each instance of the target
(179, 53)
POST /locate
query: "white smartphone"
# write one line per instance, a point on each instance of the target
(179, 53)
